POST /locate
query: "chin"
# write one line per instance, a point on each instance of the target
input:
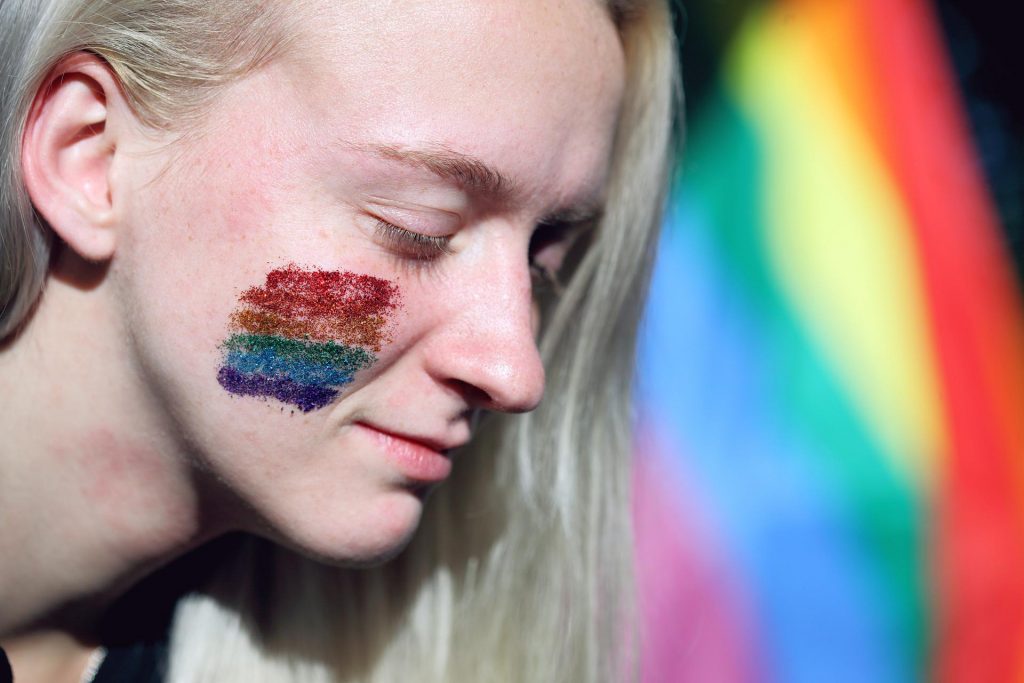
(370, 537)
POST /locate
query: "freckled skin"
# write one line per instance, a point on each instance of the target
(279, 175)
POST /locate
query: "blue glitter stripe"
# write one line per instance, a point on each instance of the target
(267, 362)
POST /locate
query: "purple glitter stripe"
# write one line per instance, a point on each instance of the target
(305, 397)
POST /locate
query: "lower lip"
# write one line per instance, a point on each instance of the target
(414, 460)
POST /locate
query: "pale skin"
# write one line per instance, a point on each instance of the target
(121, 450)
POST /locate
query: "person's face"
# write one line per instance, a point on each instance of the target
(254, 266)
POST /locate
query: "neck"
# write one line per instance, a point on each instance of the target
(94, 491)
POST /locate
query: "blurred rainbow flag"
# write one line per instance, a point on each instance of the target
(830, 481)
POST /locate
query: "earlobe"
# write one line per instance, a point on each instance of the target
(68, 150)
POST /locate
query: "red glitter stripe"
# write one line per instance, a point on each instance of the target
(320, 305)
(322, 295)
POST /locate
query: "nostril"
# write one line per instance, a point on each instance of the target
(471, 394)
(499, 392)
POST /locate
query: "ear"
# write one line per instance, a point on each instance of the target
(68, 150)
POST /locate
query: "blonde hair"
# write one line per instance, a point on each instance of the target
(522, 568)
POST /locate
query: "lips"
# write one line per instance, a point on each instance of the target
(418, 458)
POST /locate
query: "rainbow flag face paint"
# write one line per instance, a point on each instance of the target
(304, 335)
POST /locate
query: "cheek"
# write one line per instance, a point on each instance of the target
(301, 337)
(221, 195)
(195, 231)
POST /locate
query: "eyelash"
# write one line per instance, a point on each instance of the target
(420, 247)
(409, 244)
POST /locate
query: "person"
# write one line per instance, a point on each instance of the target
(266, 268)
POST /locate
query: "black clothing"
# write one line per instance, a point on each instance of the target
(138, 663)
(5, 668)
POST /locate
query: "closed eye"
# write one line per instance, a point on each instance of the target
(549, 245)
(409, 244)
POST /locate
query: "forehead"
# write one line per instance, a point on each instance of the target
(530, 87)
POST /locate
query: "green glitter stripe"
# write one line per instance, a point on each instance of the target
(886, 517)
(321, 353)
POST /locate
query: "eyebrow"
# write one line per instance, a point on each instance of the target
(476, 177)
(465, 171)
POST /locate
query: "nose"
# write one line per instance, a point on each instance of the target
(486, 349)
